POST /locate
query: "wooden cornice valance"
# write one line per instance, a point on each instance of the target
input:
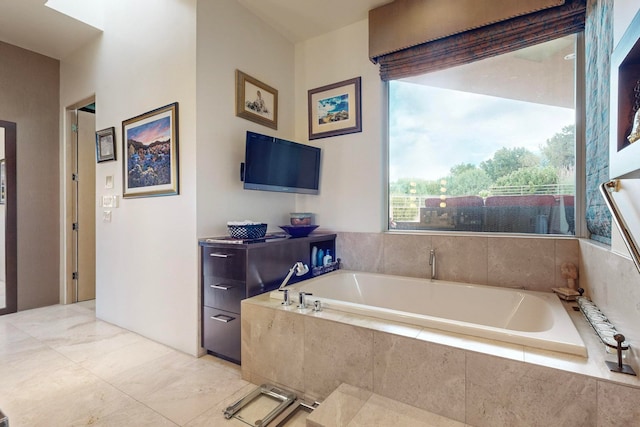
(488, 34)
(405, 23)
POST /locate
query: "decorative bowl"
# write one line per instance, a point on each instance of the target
(247, 231)
(298, 230)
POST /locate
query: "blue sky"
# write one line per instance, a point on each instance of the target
(432, 129)
(157, 130)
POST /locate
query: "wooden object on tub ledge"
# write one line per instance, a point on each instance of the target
(566, 294)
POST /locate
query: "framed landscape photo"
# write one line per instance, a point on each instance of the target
(256, 101)
(105, 145)
(150, 147)
(335, 109)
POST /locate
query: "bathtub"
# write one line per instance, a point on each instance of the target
(528, 318)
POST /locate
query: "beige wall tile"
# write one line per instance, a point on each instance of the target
(567, 250)
(425, 375)
(461, 259)
(618, 405)
(613, 283)
(527, 262)
(407, 254)
(336, 353)
(360, 251)
(272, 348)
(509, 393)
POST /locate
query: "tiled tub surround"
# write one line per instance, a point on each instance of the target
(609, 279)
(532, 262)
(613, 283)
(535, 319)
(476, 381)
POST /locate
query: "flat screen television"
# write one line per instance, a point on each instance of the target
(275, 164)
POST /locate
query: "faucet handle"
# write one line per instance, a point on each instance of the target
(302, 299)
(285, 300)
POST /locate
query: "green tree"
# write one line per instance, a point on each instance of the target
(469, 182)
(460, 168)
(403, 186)
(508, 160)
(533, 177)
(560, 150)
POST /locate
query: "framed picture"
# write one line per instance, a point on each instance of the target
(105, 145)
(335, 109)
(256, 101)
(150, 147)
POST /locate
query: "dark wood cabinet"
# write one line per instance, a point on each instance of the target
(231, 272)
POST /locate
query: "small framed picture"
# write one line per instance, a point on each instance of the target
(256, 101)
(105, 145)
(335, 109)
(150, 166)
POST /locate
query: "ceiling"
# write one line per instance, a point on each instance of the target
(300, 20)
(31, 25)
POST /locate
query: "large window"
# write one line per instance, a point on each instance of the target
(487, 146)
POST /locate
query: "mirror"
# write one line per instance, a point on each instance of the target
(8, 210)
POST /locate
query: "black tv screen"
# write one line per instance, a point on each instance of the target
(275, 164)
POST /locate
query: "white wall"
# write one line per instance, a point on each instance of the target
(230, 38)
(623, 13)
(147, 264)
(353, 166)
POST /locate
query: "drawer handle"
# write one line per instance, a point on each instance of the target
(219, 255)
(222, 287)
(222, 318)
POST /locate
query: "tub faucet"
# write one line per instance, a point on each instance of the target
(432, 263)
(299, 268)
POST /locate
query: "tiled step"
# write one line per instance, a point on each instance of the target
(350, 406)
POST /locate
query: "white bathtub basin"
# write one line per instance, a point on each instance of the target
(534, 319)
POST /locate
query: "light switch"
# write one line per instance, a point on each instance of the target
(106, 216)
(109, 201)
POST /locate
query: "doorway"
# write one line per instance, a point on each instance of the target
(8, 213)
(81, 203)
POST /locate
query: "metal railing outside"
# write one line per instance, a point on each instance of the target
(406, 208)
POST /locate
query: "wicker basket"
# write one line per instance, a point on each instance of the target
(249, 231)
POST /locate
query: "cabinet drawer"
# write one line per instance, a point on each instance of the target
(223, 262)
(223, 293)
(221, 333)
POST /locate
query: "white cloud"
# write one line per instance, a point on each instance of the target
(433, 129)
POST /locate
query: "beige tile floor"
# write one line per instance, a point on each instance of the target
(60, 366)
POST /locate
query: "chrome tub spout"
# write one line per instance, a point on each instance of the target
(432, 263)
